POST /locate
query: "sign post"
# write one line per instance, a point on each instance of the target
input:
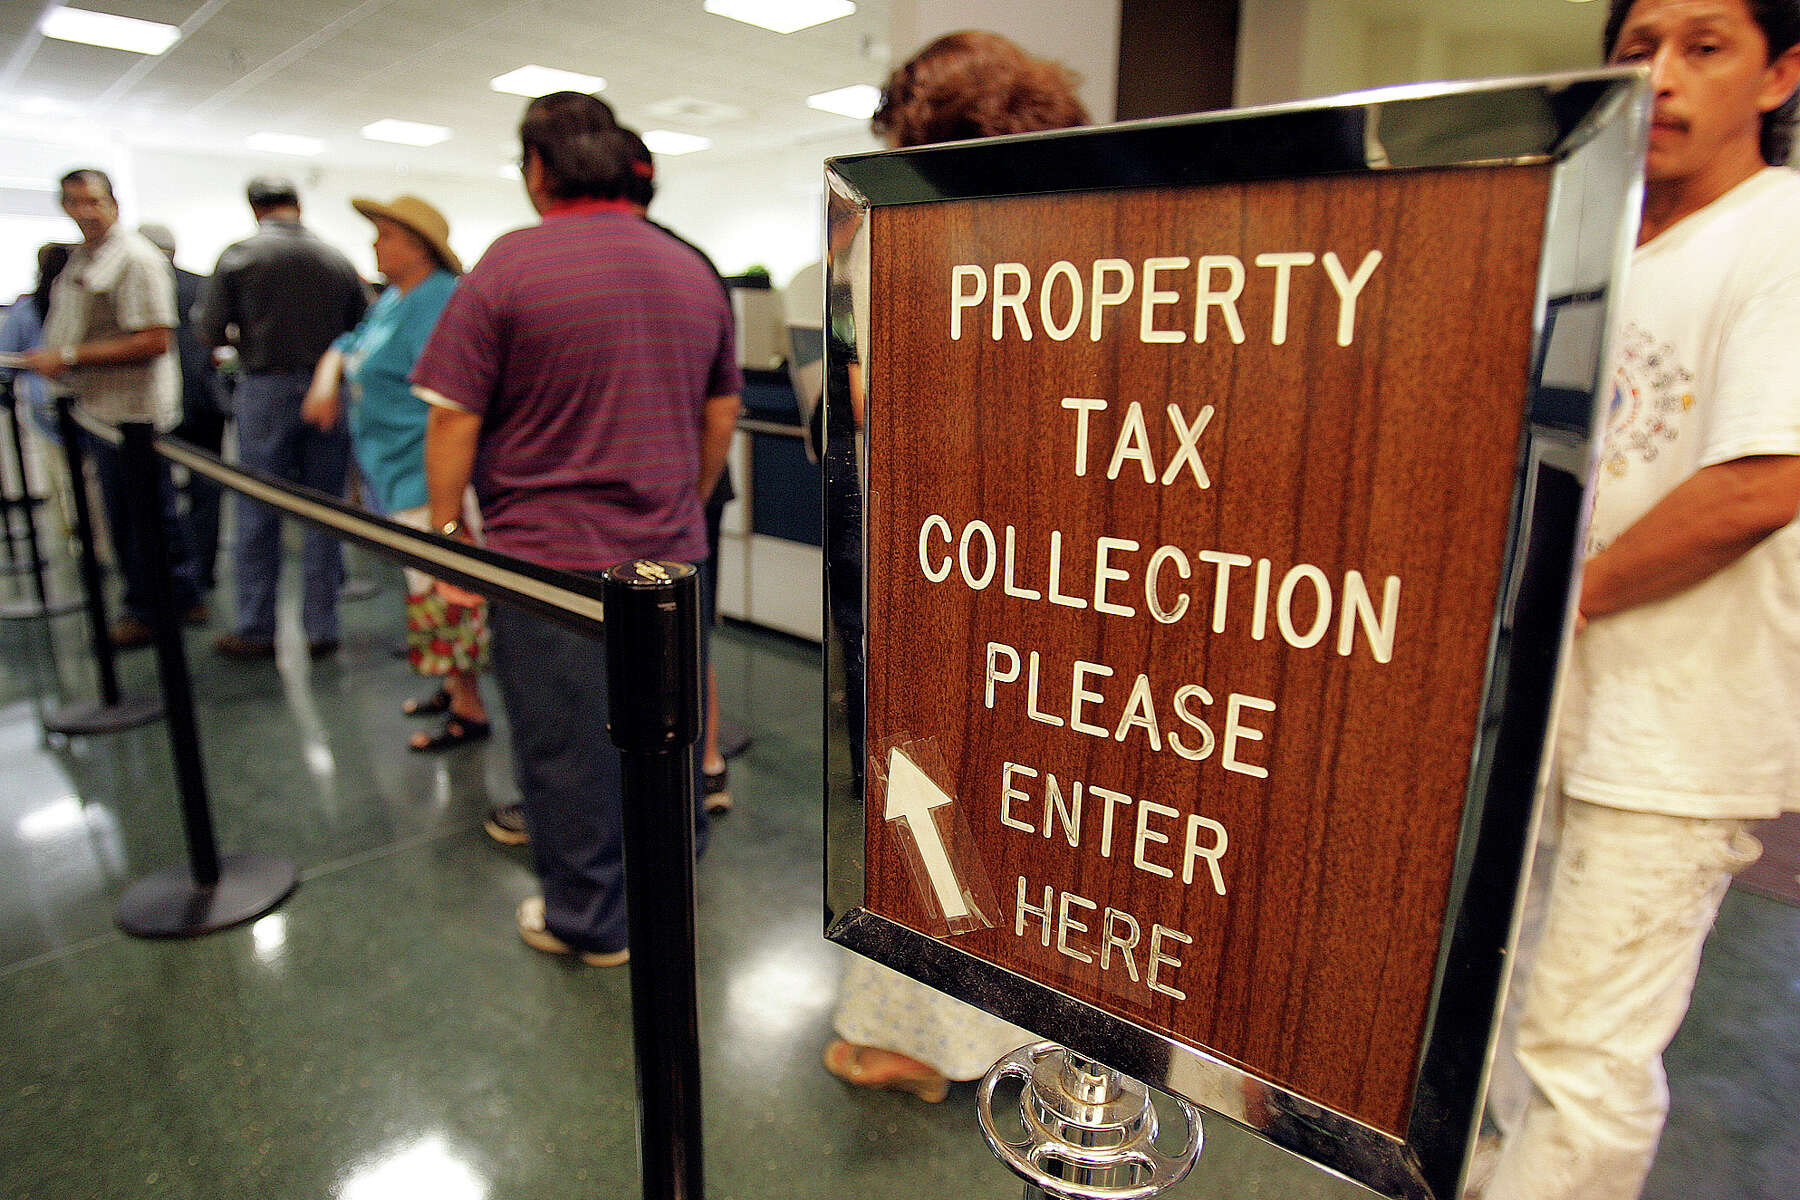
(1217, 513)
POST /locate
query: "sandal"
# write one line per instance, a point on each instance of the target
(437, 702)
(457, 731)
(890, 1071)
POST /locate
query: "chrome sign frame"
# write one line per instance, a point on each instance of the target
(1591, 128)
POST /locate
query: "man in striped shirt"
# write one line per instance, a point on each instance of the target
(583, 378)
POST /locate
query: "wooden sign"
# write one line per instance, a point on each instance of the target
(1192, 517)
(1188, 510)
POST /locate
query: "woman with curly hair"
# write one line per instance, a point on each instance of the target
(975, 84)
(895, 1034)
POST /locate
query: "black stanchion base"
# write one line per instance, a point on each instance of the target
(169, 904)
(32, 609)
(357, 588)
(76, 720)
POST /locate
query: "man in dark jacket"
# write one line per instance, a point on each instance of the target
(281, 297)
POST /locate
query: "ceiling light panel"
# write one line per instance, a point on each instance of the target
(406, 133)
(859, 100)
(782, 16)
(692, 110)
(105, 29)
(533, 81)
(669, 143)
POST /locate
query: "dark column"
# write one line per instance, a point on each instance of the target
(1176, 56)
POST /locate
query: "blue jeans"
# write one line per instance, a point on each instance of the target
(273, 438)
(554, 683)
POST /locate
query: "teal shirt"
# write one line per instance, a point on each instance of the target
(387, 422)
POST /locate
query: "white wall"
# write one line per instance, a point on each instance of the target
(1296, 49)
(31, 161)
(201, 197)
(757, 209)
(761, 209)
(1290, 49)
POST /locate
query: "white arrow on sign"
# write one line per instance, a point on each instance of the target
(911, 795)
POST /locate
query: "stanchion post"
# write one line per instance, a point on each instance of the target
(211, 893)
(1088, 1132)
(34, 561)
(27, 503)
(113, 712)
(143, 485)
(24, 501)
(90, 561)
(653, 688)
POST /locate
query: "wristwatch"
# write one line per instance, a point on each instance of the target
(69, 355)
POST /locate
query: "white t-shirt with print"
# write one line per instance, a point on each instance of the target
(1691, 705)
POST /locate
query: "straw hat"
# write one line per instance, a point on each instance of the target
(412, 213)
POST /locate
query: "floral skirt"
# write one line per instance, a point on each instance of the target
(442, 636)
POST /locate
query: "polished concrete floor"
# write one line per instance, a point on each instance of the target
(385, 1036)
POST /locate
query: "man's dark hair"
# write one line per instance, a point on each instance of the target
(92, 176)
(272, 191)
(578, 140)
(1779, 21)
(641, 187)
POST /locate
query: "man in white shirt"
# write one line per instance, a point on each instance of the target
(108, 340)
(1681, 706)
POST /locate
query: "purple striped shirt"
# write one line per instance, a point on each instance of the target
(588, 345)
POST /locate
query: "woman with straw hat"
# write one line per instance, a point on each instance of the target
(446, 628)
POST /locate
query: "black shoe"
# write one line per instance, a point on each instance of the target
(243, 649)
(456, 731)
(425, 706)
(506, 825)
(128, 633)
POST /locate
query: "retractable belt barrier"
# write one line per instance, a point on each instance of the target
(561, 596)
(653, 669)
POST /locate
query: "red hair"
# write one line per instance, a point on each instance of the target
(975, 84)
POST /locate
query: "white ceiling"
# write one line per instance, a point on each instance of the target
(325, 68)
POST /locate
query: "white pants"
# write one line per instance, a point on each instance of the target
(879, 1007)
(1633, 898)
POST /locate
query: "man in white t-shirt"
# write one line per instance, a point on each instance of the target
(1681, 722)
